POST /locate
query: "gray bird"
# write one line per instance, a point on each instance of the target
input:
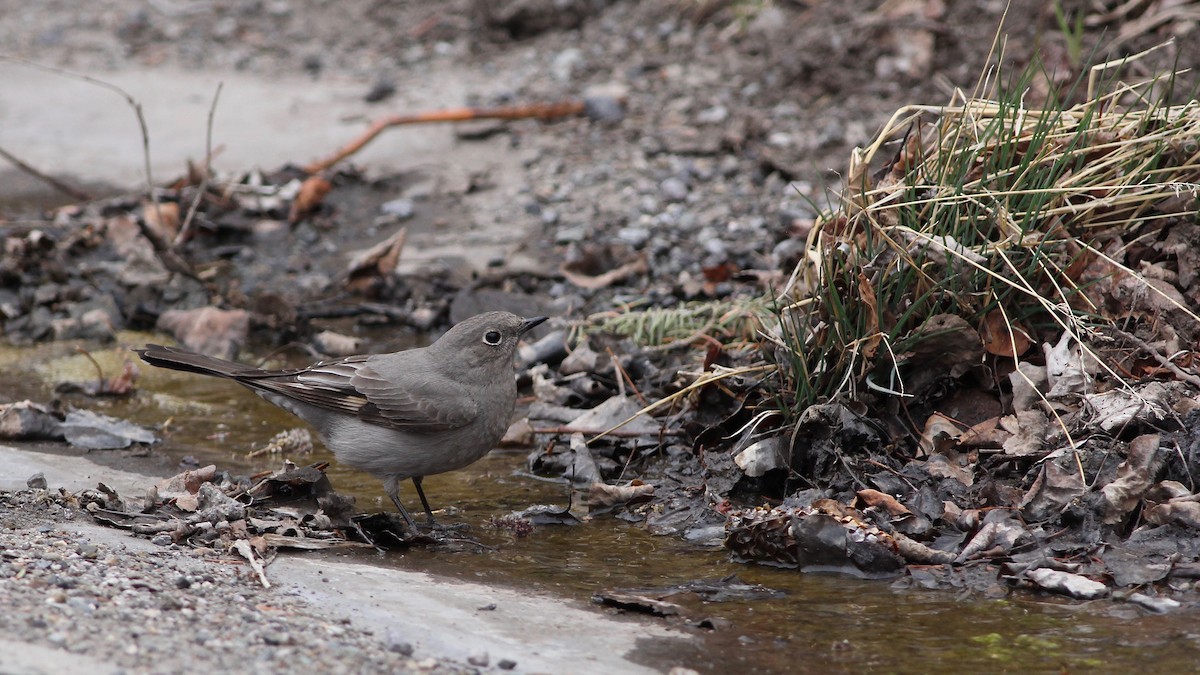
(398, 416)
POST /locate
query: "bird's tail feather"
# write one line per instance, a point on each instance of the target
(191, 362)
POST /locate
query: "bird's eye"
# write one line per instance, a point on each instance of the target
(492, 337)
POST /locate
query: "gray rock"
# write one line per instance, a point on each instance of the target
(673, 189)
(565, 63)
(37, 481)
(401, 209)
(634, 236)
(714, 115)
(570, 234)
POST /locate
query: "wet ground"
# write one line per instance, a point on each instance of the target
(820, 624)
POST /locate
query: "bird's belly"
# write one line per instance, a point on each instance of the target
(389, 452)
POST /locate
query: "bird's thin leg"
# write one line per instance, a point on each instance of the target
(424, 502)
(392, 487)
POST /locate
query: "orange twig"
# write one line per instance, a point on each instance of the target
(540, 111)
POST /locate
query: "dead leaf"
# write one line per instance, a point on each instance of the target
(1068, 369)
(312, 193)
(162, 218)
(882, 500)
(939, 435)
(123, 383)
(1029, 429)
(1185, 513)
(1027, 381)
(188, 482)
(951, 464)
(866, 294)
(1001, 338)
(998, 535)
(244, 548)
(813, 539)
(519, 435)
(1117, 408)
(208, 330)
(371, 270)
(603, 495)
(336, 344)
(947, 347)
(26, 420)
(1134, 477)
(762, 456)
(1066, 583)
(986, 434)
(1053, 490)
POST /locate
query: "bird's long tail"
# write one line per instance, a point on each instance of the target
(191, 362)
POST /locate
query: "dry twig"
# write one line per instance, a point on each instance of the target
(540, 111)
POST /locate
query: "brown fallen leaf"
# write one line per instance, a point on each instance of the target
(122, 383)
(939, 435)
(188, 482)
(519, 435)
(208, 330)
(1055, 487)
(371, 270)
(162, 218)
(987, 434)
(312, 193)
(604, 495)
(1134, 477)
(1185, 513)
(1001, 338)
(952, 464)
(882, 500)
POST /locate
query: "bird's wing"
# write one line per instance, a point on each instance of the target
(423, 403)
(356, 387)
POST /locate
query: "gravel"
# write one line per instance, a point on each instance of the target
(162, 610)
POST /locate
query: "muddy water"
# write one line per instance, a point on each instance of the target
(822, 624)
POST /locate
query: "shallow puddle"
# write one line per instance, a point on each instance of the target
(822, 624)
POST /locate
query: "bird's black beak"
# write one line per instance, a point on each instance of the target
(528, 324)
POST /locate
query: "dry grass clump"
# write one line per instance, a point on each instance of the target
(1021, 221)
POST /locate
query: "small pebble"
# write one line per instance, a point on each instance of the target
(57, 639)
(401, 209)
(480, 659)
(673, 189)
(277, 638)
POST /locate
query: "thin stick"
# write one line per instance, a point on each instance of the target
(1162, 360)
(68, 190)
(541, 111)
(186, 228)
(618, 433)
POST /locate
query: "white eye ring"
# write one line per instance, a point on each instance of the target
(492, 337)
